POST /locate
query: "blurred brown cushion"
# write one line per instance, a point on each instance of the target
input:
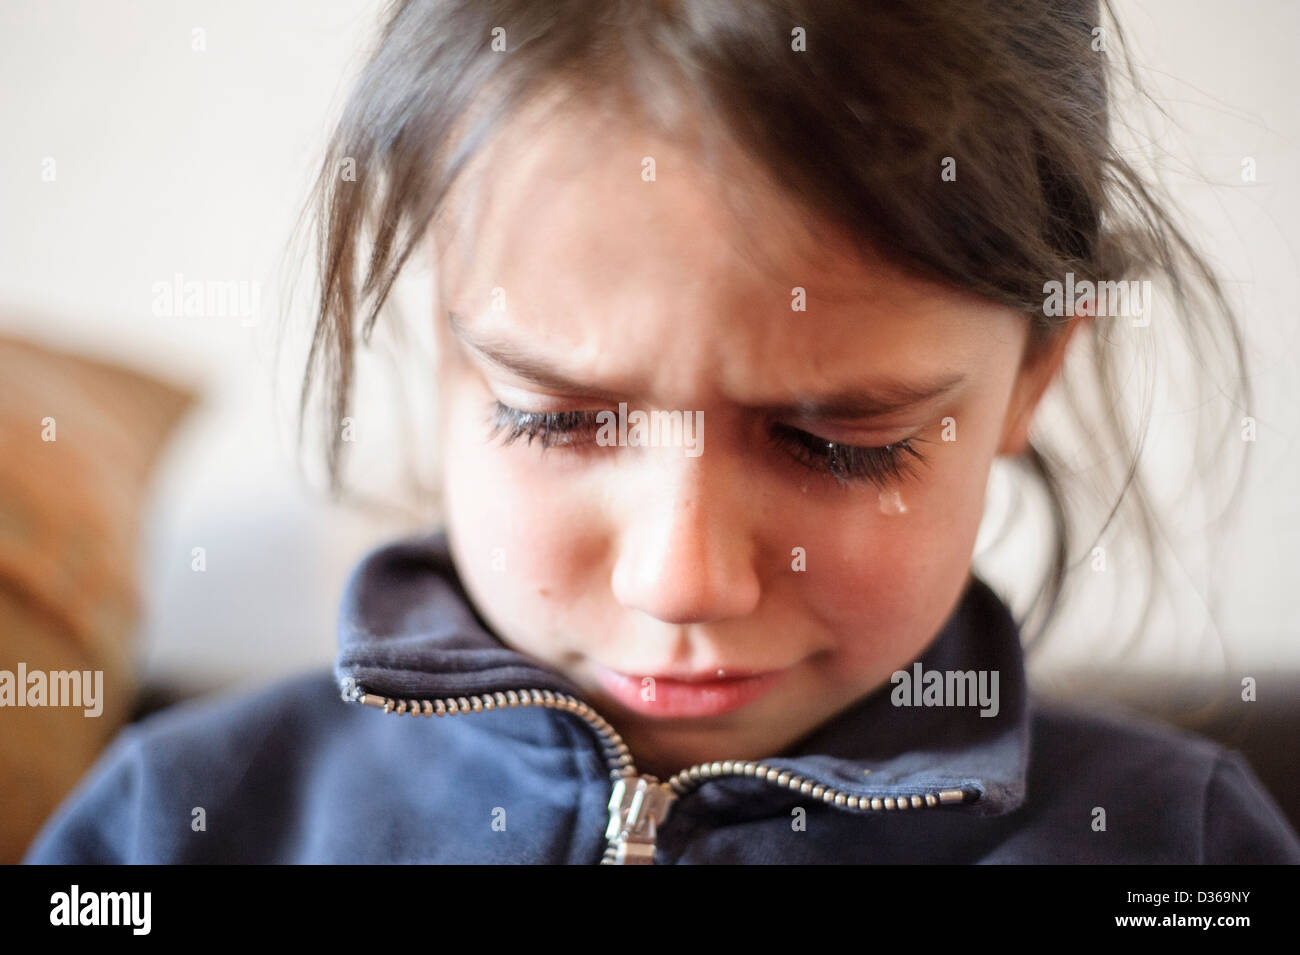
(69, 525)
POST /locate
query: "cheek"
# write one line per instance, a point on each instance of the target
(883, 581)
(522, 539)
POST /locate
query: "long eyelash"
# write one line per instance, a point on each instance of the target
(550, 428)
(845, 463)
(849, 463)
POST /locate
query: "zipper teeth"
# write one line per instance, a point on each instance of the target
(616, 751)
(619, 756)
(690, 779)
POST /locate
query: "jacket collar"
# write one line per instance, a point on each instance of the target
(408, 630)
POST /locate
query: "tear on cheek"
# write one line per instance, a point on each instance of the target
(891, 502)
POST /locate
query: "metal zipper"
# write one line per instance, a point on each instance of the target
(639, 803)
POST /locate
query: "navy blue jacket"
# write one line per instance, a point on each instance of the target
(433, 742)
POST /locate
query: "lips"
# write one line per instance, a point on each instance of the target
(719, 675)
(688, 696)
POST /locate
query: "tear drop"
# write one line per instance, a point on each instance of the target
(891, 502)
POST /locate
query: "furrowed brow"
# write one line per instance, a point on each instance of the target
(880, 398)
(505, 355)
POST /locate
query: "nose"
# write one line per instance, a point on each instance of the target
(686, 551)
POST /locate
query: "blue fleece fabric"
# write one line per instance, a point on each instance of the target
(305, 771)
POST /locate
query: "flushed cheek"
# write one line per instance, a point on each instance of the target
(521, 581)
(527, 544)
(882, 585)
(868, 596)
(886, 624)
(858, 560)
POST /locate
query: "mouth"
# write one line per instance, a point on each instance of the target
(687, 696)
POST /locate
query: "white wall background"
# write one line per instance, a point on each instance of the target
(171, 160)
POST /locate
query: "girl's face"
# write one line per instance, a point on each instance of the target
(632, 569)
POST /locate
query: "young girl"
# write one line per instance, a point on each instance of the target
(737, 304)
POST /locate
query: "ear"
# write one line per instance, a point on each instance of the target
(1037, 371)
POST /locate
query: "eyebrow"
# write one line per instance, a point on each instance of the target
(885, 396)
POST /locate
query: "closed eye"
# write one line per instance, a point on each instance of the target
(844, 463)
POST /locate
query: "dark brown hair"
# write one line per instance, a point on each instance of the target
(853, 108)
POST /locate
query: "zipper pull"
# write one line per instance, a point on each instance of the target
(637, 807)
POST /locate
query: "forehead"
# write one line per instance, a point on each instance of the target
(612, 246)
